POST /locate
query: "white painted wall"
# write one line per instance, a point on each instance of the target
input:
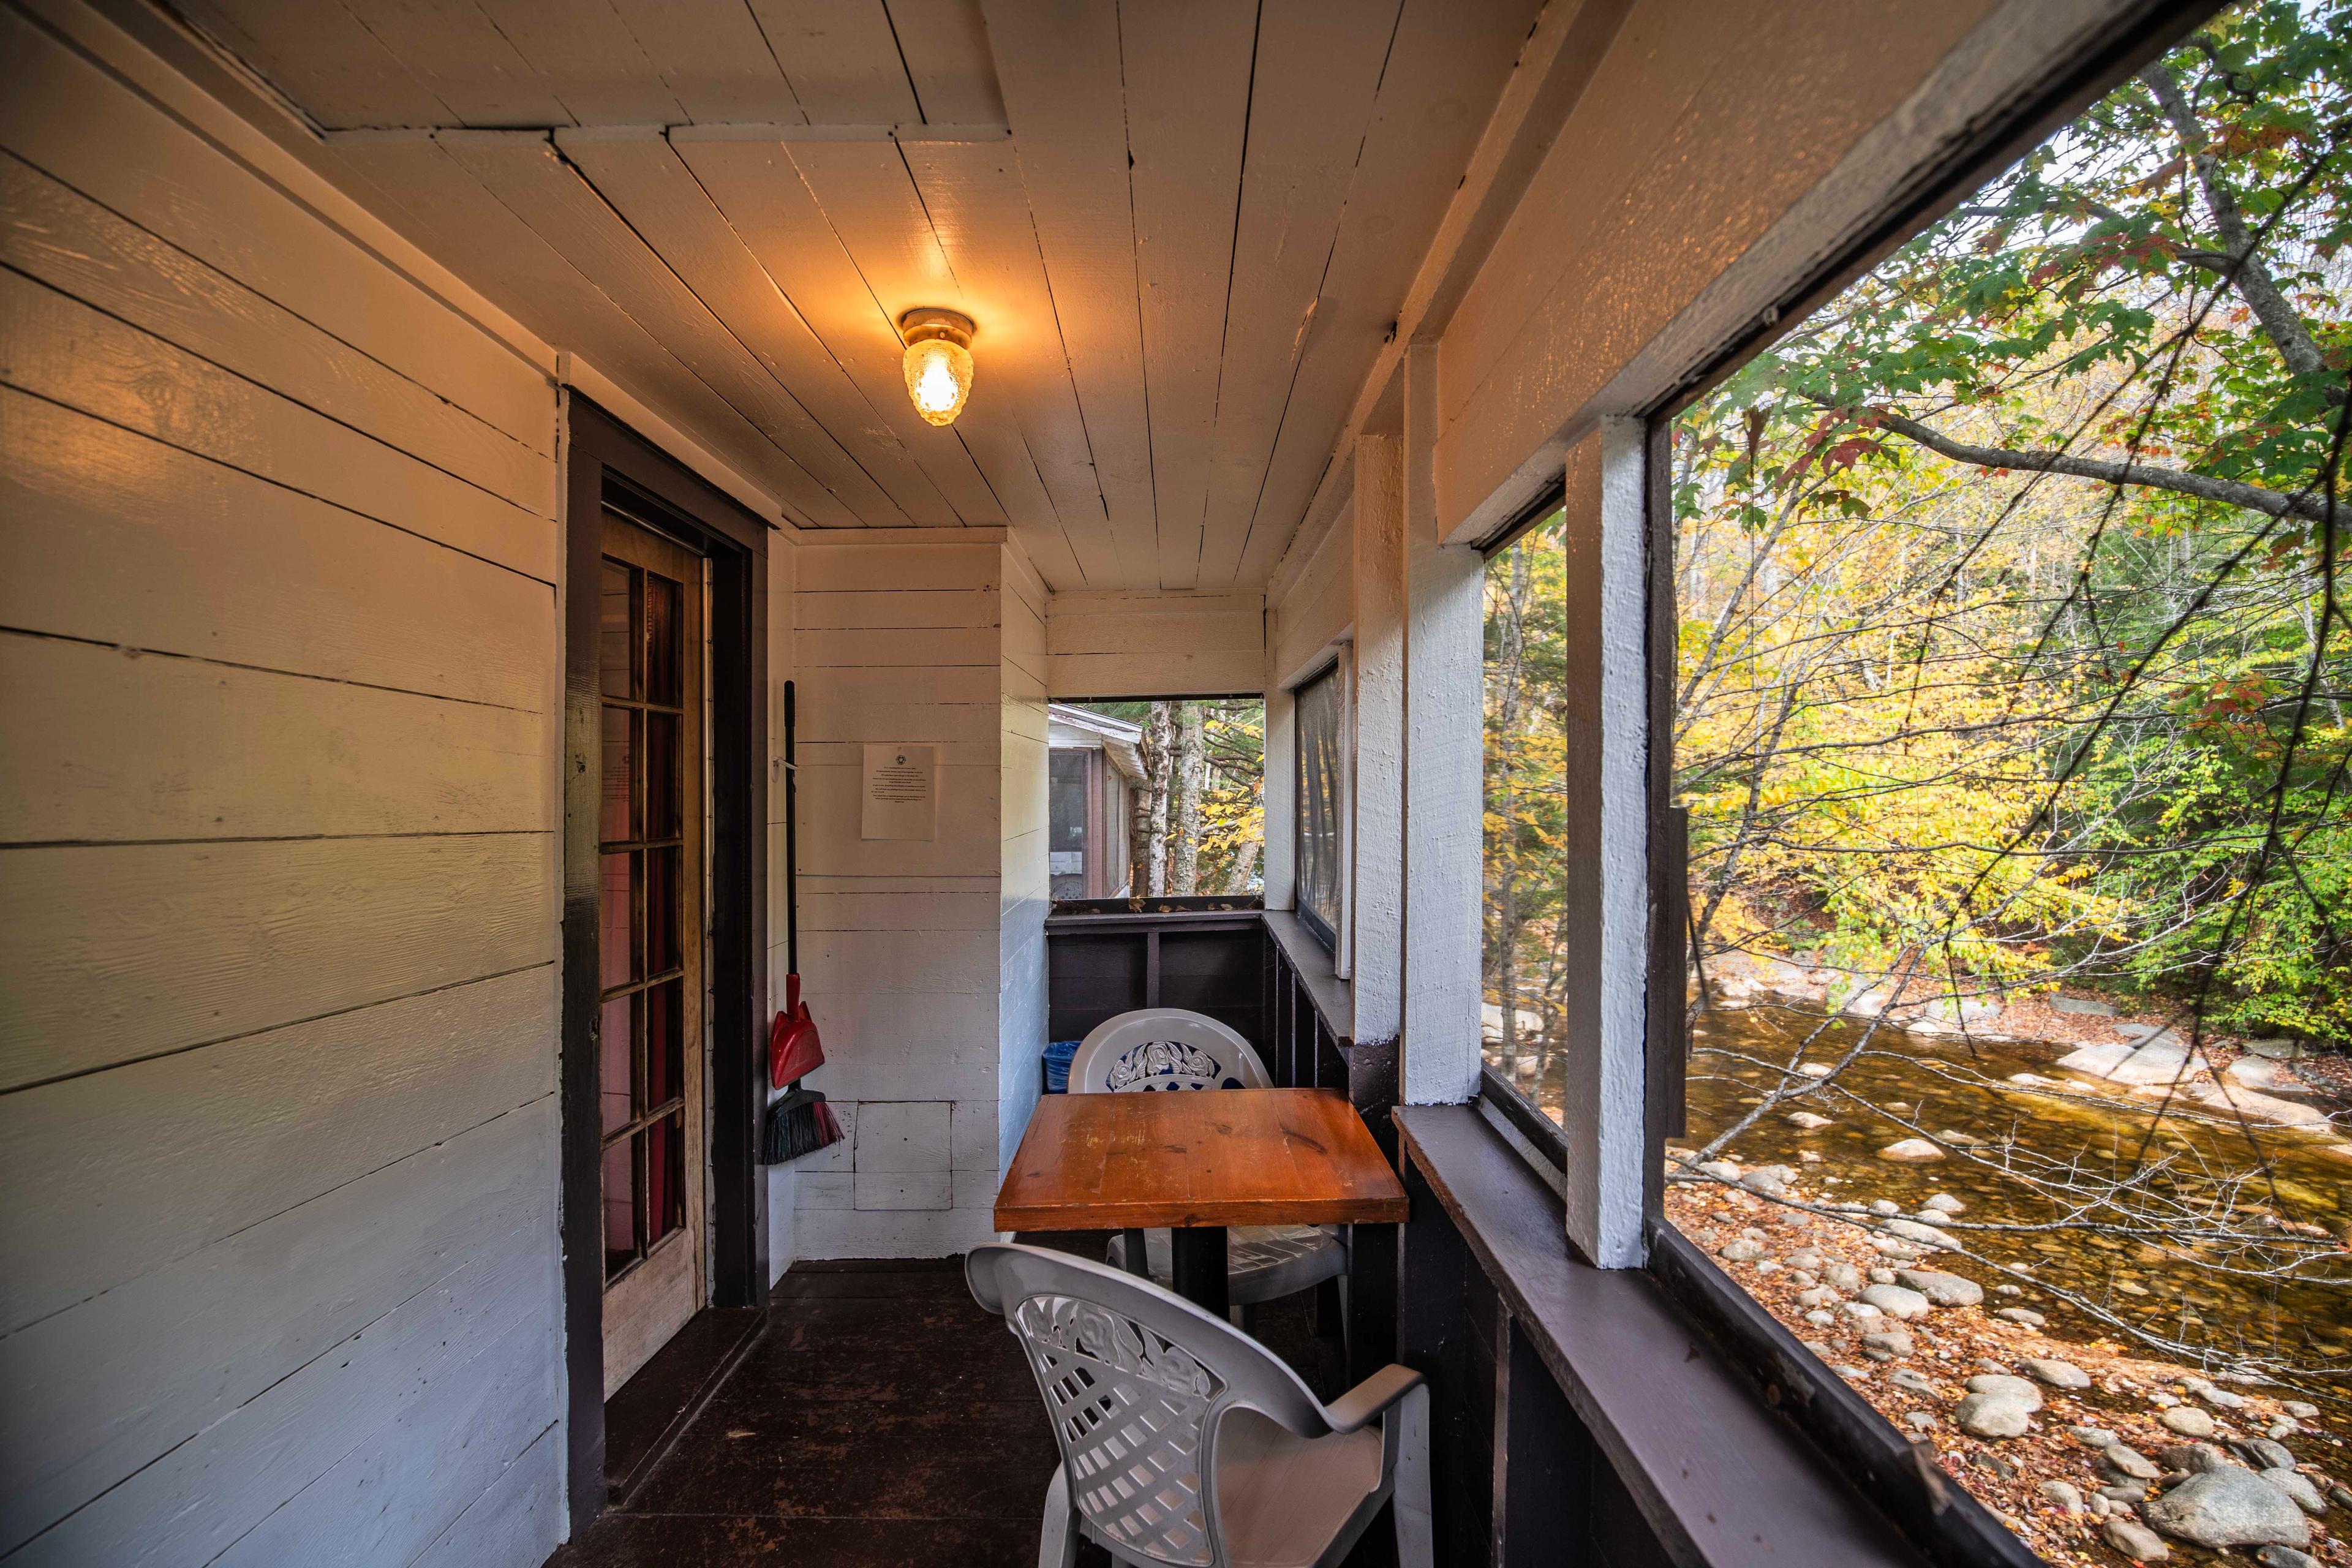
(1102, 644)
(277, 867)
(923, 962)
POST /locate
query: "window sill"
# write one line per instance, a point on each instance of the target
(1312, 961)
(1717, 1475)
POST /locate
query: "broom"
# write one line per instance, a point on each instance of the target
(802, 1122)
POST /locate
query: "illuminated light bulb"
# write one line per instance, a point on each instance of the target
(937, 363)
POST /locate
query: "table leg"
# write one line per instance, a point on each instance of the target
(1136, 1260)
(1199, 1254)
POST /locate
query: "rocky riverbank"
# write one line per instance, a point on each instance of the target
(2091, 1453)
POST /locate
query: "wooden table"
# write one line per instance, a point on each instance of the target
(1197, 1163)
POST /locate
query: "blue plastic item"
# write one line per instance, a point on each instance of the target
(1057, 1065)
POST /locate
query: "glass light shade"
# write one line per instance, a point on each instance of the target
(939, 378)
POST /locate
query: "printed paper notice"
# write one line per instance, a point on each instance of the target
(902, 795)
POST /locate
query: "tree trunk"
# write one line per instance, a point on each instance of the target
(1184, 830)
(1151, 802)
(1237, 880)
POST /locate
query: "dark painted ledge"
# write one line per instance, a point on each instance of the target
(1312, 960)
(1718, 1475)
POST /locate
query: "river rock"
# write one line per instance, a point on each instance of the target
(2212, 1393)
(1925, 1234)
(2065, 1494)
(2134, 1541)
(1885, 1208)
(2285, 1557)
(2126, 1460)
(2087, 1008)
(2196, 1458)
(2157, 1057)
(1916, 1382)
(1721, 1170)
(1819, 1296)
(2285, 1426)
(1770, 1180)
(2092, 1437)
(2188, 1421)
(1740, 1251)
(1992, 1415)
(1893, 1342)
(1941, 1290)
(2025, 1315)
(2007, 1387)
(2125, 1492)
(2227, 1508)
(2276, 1050)
(2056, 1374)
(1895, 1301)
(1867, 1310)
(1807, 1121)
(1945, 1202)
(1841, 1276)
(1820, 1317)
(1911, 1151)
(2302, 1410)
(2297, 1485)
(2264, 1453)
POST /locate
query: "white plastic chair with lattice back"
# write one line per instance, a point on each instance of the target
(1163, 1048)
(1187, 1443)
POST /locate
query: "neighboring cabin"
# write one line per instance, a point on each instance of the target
(1096, 769)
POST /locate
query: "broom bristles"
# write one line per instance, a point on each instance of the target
(799, 1123)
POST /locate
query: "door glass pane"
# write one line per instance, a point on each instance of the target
(661, 909)
(615, 1033)
(665, 1042)
(665, 657)
(663, 770)
(616, 924)
(618, 626)
(619, 817)
(664, 1178)
(620, 1207)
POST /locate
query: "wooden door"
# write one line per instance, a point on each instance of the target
(649, 942)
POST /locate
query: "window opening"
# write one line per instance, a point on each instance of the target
(2009, 716)
(1157, 797)
(1524, 966)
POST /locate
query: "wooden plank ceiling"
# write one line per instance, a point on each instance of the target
(1184, 227)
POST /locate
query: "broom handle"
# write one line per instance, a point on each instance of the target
(792, 842)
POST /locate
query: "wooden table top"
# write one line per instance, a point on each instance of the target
(1213, 1157)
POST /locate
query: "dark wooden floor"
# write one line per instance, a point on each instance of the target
(881, 1419)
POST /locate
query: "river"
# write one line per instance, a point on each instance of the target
(2301, 1176)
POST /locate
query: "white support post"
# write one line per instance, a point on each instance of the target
(1605, 918)
(1280, 795)
(1444, 756)
(1376, 951)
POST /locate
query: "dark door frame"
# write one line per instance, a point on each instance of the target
(607, 464)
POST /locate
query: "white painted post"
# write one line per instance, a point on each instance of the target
(1605, 919)
(1445, 755)
(1281, 795)
(1378, 770)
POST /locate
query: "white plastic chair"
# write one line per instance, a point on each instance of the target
(1169, 1048)
(1163, 1048)
(1185, 1442)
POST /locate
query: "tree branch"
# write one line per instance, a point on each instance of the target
(2204, 487)
(2281, 322)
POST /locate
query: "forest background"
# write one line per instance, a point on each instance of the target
(2012, 653)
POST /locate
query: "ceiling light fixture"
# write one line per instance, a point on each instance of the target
(939, 361)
